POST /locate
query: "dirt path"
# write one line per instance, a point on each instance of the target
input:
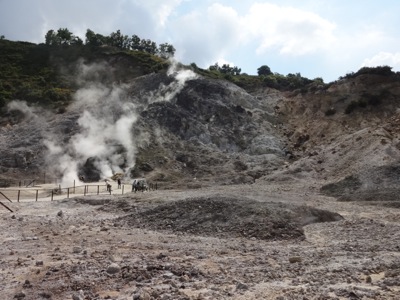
(80, 249)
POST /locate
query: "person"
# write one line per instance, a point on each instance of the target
(134, 186)
(108, 187)
(119, 183)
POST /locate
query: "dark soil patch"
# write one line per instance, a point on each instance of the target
(348, 185)
(378, 184)
(373, 195)
(230, 217)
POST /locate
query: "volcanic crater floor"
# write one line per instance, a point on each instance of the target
(259, 241)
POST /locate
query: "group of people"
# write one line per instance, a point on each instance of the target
(137, 185)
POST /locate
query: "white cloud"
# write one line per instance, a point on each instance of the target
(203, 36)
(331, 36)
(383, 59)
(292, 31)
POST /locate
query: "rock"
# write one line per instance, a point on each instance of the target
(242, 286)
(76, 250)
(113, 268)
(27, 284)
(45, 295)
(20, 295)
(141, 295)
(78, 296)
(60, 213)
(295, 259)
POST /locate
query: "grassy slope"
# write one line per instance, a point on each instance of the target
(44, 75)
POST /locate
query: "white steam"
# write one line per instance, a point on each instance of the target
(168, 92)
(21, 106)
(107, 117)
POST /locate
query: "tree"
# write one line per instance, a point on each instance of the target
(51, 38)
(76, 40)
(148, 46)
(116, 39)
(95, 39)
(62, 37)
(166, 50)
(264, 70)
(65, 36)
(135, 42)
(225, 69)
(236, 70)
(214, 67)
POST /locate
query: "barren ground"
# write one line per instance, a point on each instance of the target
(146, 246)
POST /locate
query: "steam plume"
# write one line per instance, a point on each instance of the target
(107, 117)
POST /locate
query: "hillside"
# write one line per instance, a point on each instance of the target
(143, 116)
(269, 187)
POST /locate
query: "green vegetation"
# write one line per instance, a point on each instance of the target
(379, 70)
(278, 81)
(44, 74)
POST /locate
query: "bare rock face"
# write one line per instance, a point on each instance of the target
(89, 170)
(213, 132)
(212, 123)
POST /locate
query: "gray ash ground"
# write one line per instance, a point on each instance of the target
(230, 217)
(92, 248)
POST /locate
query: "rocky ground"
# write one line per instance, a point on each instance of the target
(259, 241)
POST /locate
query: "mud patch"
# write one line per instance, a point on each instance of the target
(230, 217)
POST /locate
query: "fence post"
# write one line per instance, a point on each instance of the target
(123, 189)
(84, 190)
(37, 192)
(19, 191)
(51, 194)
(67, 193)
(74, 186)
(98, 189)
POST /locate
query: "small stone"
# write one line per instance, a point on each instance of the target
(20, 295)
(295, 259)
(242, 286)
(161, 256)
(76, 250)
(45, 295)
(27, 284)
(113, 268)
(78, 296)
(39, 263)
(368, 279)
(60, 213)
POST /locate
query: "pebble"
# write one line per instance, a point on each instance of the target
(113, 268)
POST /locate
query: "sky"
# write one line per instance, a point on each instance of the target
(316, 38)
